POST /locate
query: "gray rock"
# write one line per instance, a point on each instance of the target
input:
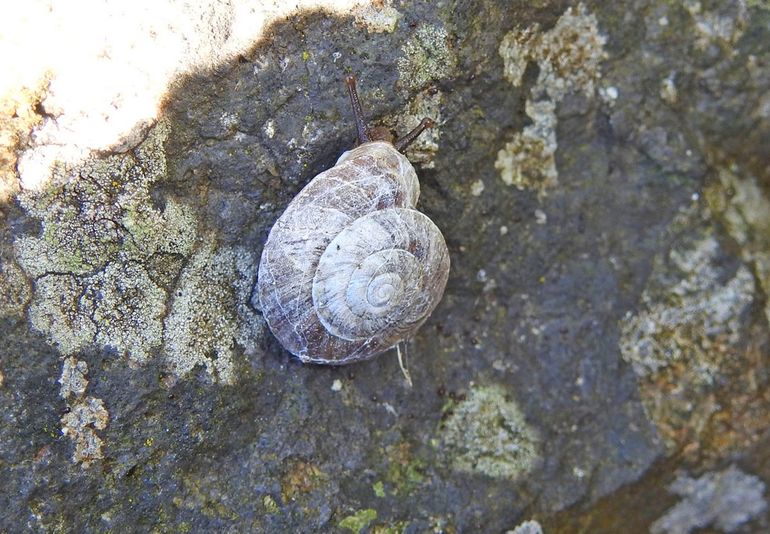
(139, 388)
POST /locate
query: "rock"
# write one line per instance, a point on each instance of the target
(605, 325)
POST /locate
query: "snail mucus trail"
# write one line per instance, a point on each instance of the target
(351, 268)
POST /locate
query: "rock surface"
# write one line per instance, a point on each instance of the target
(599, 361)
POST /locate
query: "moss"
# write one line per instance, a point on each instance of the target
(379, 488)
(487, 434)
(359, 520)
(269, 504)
(405, 472)
(427, 57)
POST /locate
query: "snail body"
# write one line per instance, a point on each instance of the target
(351, 268)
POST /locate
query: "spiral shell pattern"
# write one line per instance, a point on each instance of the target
(351, 268)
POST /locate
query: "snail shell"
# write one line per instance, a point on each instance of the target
(351, 268)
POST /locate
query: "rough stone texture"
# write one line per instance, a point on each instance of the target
(617, 317)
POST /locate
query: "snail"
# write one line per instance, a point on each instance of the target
(351, 268)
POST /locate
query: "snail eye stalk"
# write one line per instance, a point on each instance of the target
(361, 129)
(409, 138)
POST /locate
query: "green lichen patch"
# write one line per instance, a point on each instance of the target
(269, 504)
(99, 227)
(405, 472)
(427, 57)
(108, 258)
(358, 521)
(487, 434)
(119, 307)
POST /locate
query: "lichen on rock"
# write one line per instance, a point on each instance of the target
(569, 58)
(744, 208)
(15, 291)
(427, 57)
(210, 311)
(86, 414)
(377, 17)
(689, 310)
(488, 434)
(723, 25)
(527, 527)
(425, 104)
(528, 162)
(687, 336)
(73, 378)
(99, 228)
(569, 55)
(724, 500)
(107, 259)
(80, 424)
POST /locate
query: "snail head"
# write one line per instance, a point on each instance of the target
(380, 133)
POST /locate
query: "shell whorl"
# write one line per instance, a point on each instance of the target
(351, 268)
